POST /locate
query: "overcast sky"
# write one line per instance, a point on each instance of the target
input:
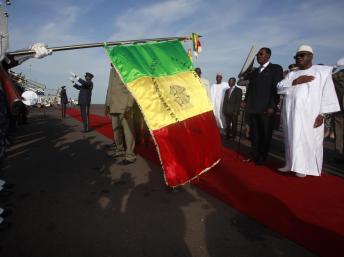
(229, 29)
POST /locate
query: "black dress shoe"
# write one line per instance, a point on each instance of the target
(248, 160)
(260, 160)
(125, 162)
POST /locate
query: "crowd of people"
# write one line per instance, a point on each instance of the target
(306, 95)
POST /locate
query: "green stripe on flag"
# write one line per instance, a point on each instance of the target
(149, 59)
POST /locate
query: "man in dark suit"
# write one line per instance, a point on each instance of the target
(231, 108)
(261, 102)
(84, 99)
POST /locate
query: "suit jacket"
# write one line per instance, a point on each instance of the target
(118, 97)
(85, 93)
(231, 104)
(262, 92)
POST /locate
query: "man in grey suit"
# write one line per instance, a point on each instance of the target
(119, 103)
(231, 108)
(84, 99)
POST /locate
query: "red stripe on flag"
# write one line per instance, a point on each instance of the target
(188, 148)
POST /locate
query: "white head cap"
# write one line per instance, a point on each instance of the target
(305, 48)
(340, 62)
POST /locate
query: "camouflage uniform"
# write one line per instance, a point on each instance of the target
(338, 80)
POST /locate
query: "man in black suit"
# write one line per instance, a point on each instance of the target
(84, 99)
(260, 103)
(231, 108)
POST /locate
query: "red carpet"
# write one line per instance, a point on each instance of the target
(309, 211)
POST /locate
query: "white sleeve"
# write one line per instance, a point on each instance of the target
(285, 85)
(329, 100)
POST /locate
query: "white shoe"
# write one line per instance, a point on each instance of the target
(300, 175)
(283, 169)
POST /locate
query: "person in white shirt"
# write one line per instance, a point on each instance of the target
(217, 95)
(309, 94)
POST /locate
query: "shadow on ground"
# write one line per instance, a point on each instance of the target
(71, 199)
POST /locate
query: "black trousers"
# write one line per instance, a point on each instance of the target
(231, 125)
(262, 127)
(85, 114)
(63, 110)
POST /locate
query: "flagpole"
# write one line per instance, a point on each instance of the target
(99, 44)
(248, 62)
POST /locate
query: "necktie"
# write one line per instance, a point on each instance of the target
(261, 68)
(230, 91)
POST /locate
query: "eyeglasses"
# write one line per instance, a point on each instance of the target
(259, 54)
(302, 55)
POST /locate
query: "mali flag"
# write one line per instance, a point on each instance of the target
(161, 78)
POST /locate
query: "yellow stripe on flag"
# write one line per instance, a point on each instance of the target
(170, 99)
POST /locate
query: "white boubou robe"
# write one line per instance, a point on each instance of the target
(217, 95)
(301, 105)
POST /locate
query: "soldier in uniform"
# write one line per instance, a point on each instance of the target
(64, 101)
(84, 99)
(119, 103)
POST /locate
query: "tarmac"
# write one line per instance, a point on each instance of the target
(71, 199)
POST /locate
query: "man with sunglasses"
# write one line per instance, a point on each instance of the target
(260, 103)
(309, 94)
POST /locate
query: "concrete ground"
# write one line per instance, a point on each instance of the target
(71, 199)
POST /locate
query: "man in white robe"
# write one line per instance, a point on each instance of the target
(309, 94)
(217, 96)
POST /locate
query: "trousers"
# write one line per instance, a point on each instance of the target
(85, 115)
(262, 128)
(123, 132)
(339, 129)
